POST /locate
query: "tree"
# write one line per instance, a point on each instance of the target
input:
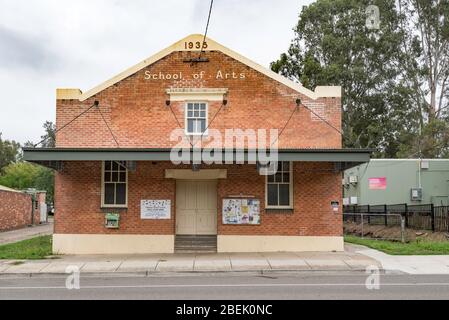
(427, 72)
(9, 152)
(23, 175)
(378, 69)
(50, 135)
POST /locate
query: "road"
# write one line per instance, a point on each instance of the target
(308, 285)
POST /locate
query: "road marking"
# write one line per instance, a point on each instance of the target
(424, 284)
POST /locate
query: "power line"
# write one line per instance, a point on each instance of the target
(112, 134)
(96, 103)
(207, 27)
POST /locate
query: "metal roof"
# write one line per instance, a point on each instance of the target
(50, 156)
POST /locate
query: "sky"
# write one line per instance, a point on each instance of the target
(49, 44)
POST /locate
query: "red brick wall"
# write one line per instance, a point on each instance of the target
(78, 199)
(136, 111)
(314, 187)
(15, 210)
(137, 114)
(39, 202)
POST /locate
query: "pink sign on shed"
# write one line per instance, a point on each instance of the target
(379, 183)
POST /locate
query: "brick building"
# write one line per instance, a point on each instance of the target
(135, 171)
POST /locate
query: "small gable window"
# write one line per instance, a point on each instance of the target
(196, 118)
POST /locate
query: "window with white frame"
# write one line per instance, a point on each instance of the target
(279, 187)
(196, 118)
(114, 184)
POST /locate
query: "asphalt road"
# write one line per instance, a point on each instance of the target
(246, 286)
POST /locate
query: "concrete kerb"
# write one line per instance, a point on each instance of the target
(193, 263)
(267, 272)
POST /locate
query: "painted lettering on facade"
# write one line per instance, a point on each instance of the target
(219, 75)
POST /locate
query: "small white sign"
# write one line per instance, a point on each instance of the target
(155, 209)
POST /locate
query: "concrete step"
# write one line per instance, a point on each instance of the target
(195, 243)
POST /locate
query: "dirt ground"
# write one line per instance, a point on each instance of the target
(392, 232)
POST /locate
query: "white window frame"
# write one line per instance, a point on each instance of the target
(103, 205)
(186, 128)
(291, 184)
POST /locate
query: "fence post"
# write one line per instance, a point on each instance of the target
(432, 217)
(406, 215)
(385, 212)
(369, 217)
(361, 215)
(447, 218)
(402, 229)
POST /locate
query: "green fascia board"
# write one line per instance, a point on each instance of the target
(126, 154)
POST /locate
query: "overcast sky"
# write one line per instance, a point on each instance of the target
(49, 44)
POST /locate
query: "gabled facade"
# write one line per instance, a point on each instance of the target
(120, 188)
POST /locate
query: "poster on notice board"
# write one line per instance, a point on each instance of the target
(241, 211)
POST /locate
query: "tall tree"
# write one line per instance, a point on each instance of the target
(334, 46)
(378, 69)
(9, 152)
(49, 138)
(427, 72)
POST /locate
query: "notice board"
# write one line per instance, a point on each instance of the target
(241, 211)
(155, 209)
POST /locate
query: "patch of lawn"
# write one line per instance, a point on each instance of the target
(35, 248)
(421, 247)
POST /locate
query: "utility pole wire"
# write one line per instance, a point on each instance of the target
(207, 27)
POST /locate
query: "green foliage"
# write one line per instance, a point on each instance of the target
(50, 135)
(15, 173)
(398, 248)
(9, 152)
(381, 72)
(23, 175)
(36, 248)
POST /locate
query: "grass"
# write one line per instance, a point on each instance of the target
(35, 248)
(421, 247)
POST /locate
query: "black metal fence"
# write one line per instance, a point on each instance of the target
(421, 216)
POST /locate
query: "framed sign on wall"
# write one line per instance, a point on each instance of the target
(241, 211)
(377, 183)
(155, 209)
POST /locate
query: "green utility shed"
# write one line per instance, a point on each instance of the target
(394, 181)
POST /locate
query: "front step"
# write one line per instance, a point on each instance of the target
(195, 243)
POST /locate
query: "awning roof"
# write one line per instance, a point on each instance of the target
(51, 156)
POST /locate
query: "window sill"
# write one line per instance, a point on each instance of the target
(279, 210)
(196, 134)
(113, 208)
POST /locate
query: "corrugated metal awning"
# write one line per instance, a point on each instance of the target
(51, 156)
